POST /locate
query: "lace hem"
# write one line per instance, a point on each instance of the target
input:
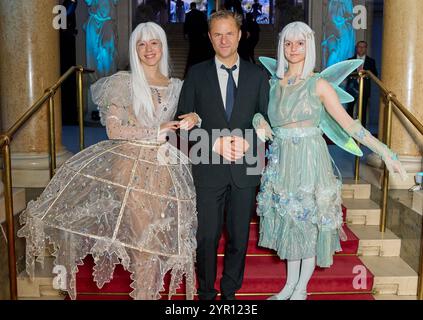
(147, 269)
(121, 202)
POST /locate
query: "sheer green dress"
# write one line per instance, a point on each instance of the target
(299, 203)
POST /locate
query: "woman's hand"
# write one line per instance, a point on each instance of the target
(263, 129)
(165, 128)
(393, 164)
(188, 121)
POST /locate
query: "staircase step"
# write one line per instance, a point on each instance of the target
(60, 297)
(393, 297)
(238, 296)
(355, 190)
(263, 276)
(42, 284)
(336, 297)
(101, 297)
(362, 212)
(85, 283)
(417, 202)
(350, 246)
(375, 243)
(392, 276)
(268, 275)
(360, 296)
(19, 203)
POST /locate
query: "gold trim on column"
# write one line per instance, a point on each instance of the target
(52, 135)
(360, 117)
(80, 104)
(8, 196)
(385, 183)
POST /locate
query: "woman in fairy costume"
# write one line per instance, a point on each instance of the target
(130, 199)
(299, 203)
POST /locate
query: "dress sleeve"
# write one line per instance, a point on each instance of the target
(115, 89)
(120, 127)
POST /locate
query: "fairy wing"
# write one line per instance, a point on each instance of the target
(335, 75)
(338, 135)
(270, 64)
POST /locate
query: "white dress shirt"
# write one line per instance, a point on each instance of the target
(364, 60)
(223, 75)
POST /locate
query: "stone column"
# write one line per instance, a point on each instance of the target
(402, 69)
(29, 63)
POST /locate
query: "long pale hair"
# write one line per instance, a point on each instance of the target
(142, 101)
(297, 31)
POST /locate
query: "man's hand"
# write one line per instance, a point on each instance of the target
(231, 148)
(239, 147)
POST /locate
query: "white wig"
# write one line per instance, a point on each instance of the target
(297, 31)
(142, 101)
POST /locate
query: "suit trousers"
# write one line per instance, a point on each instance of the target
(211, 205)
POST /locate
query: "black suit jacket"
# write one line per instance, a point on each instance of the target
(352, 84)
(201, 94)
(195, 24)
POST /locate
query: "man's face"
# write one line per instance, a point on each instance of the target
(361, 49)
(224, 36)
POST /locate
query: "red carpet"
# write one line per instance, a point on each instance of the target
(265, 274)
(348, 247)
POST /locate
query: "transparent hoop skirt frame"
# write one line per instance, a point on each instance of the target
(128, 202)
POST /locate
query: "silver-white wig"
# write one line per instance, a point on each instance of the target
(293, 32)
(142, 101)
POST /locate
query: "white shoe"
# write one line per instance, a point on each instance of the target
(285, 294)
(299, 294)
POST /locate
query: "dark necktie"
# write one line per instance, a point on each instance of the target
(230, 91)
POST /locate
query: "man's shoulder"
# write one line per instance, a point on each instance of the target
(199, 69)
(251, 68)
(197, 13)
(370, 59)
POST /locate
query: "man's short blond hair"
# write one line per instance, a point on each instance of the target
(225, 14)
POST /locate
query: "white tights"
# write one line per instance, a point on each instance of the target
(296, 283)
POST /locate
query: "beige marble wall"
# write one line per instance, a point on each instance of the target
(29, 64)
(402, 69)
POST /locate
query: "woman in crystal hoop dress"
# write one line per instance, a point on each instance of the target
(128, 200)
(299, 203)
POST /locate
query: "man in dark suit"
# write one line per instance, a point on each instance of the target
(225, 92)
(353, 84)
(195, 29)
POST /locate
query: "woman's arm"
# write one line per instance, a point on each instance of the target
(332, 105)
(260, 120)
(117, 130)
